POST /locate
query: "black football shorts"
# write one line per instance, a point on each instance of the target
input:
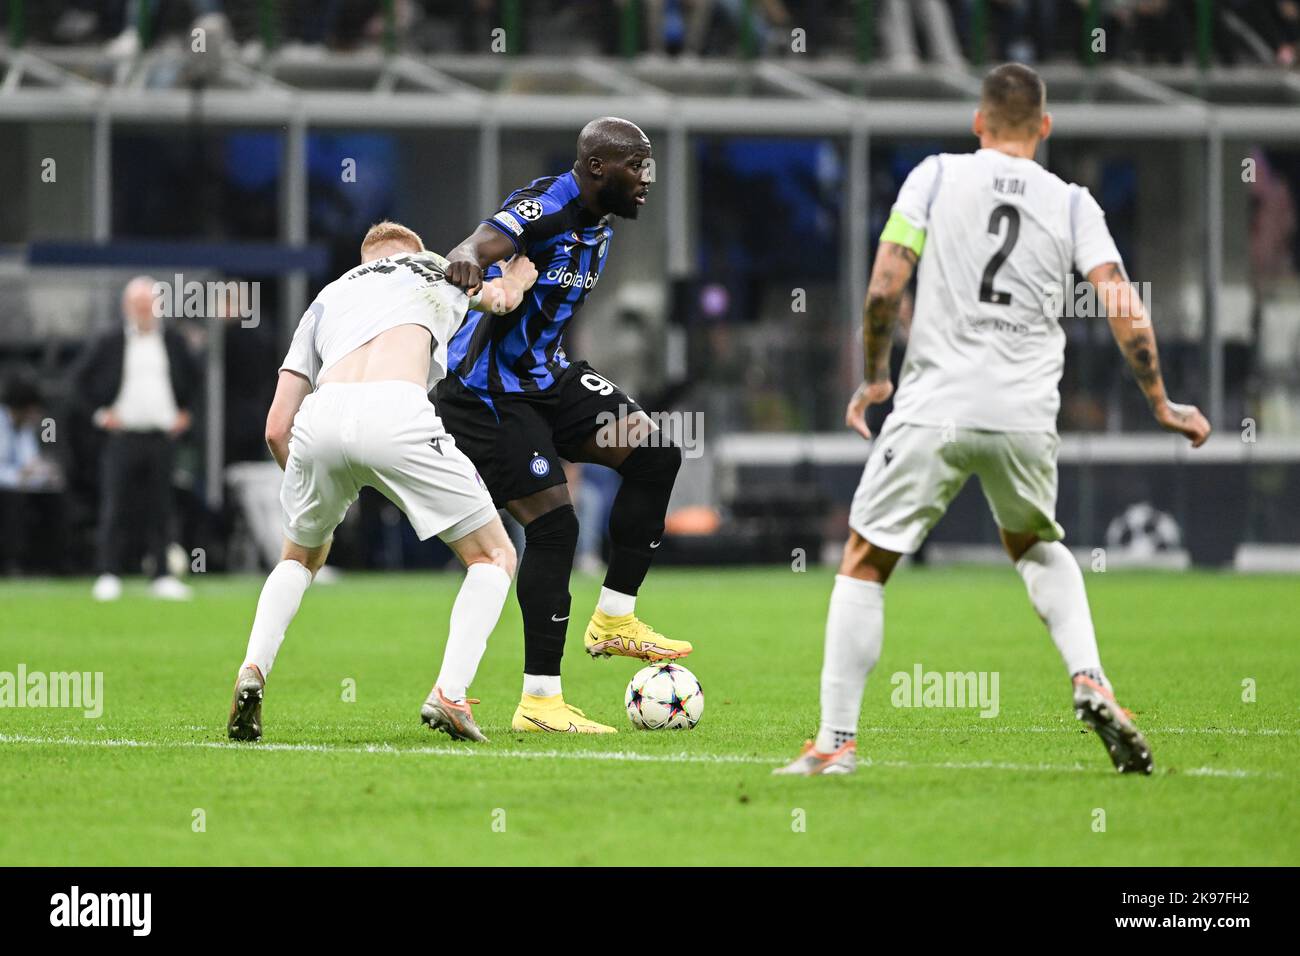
(516, 440)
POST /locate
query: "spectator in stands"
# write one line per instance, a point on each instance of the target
(898, 23)
(139, 380)
(21, 465)
(1259, 31)
(23, 470)
(1160, 31)
(692, 26)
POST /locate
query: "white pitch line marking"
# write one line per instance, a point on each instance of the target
(617, 756)
(1080, 728)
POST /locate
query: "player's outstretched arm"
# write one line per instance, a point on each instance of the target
(484, 246)
(289, 394)
(1136, 337)
(503, 295)
(890, 274)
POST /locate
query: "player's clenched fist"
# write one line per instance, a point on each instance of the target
(465, 275)
(502, 296)
(1187, 420)
(868, 393)
(521, 269)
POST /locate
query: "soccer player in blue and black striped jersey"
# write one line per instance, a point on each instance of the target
(517, 406)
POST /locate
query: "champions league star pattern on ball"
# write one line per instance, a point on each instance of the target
(664, 696)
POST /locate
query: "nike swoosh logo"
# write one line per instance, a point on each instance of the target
(567, 730)
(558, 620)
(655, 544)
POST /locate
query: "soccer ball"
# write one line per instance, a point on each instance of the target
(664, 696)
(1142, 532)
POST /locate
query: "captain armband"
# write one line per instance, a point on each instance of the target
(901, 232)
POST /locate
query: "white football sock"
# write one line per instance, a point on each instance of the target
(855, 631)
(281, 595)
(541, 685)
(615, 603)
(476, 611)
(1056, 590)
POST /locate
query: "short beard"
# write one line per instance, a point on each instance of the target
(617, 203)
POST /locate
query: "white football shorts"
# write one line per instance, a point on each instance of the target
(915, 471)
(385, 435)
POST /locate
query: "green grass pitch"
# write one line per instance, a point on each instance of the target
(362, 782)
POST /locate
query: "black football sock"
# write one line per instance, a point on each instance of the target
(542, 586)
(636, 520)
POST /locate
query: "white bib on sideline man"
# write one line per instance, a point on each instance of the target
(986, 348)
(406, 289)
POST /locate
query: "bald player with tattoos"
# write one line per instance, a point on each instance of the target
(996, 236)
(519, 407)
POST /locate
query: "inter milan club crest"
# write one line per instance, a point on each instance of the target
(539, 466)
(530, 209)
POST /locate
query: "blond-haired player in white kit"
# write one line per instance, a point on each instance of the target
(352, 410)
(977, 395)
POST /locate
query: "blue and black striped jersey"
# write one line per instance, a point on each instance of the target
(522, 351)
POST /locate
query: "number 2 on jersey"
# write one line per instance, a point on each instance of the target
(1012, 216)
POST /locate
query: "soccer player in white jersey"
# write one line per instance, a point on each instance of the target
(352, 410)
(996, 235)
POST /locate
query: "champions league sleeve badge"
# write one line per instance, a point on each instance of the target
(530, 209)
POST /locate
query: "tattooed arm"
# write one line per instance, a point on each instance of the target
(889, 277)
(1136, 337)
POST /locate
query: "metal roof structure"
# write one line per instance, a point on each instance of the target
(296, 88)
(792, 94)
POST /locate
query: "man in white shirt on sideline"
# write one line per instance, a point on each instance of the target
(978, 395)
(139, 381)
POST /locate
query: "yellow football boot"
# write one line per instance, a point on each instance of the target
(626, 636)
(553, 714)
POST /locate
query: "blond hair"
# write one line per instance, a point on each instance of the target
(389, 233)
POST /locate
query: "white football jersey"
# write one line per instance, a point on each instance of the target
(406, 289)
(1002, 236)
